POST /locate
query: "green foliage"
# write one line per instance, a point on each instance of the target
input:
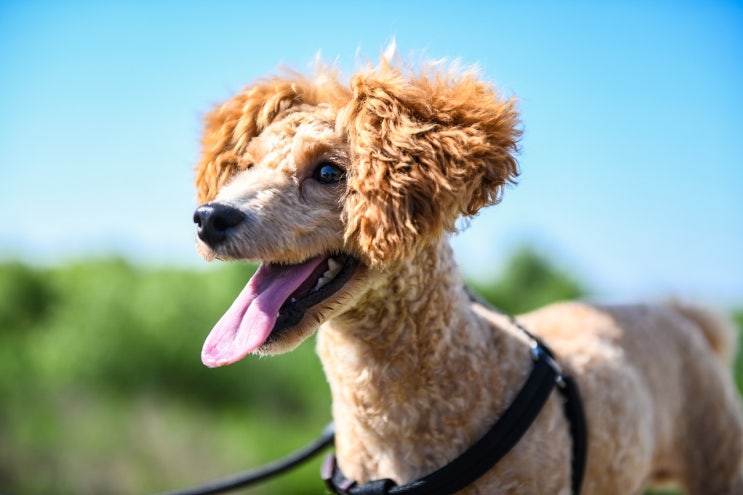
(91, 350)
(26, 298)
(102, 389)
(738, 319)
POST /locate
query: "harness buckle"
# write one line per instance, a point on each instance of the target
(334, 480)
(538, 352)
(338, 484)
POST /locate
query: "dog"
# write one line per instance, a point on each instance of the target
(347, 195)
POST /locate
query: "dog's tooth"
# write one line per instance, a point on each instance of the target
(333, 265)
(320, 282)
(333, 268)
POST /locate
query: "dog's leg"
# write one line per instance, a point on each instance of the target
(715, 467)
(713, 449)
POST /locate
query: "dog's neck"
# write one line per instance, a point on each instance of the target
(412, 370)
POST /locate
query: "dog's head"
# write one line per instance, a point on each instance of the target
(328, 187)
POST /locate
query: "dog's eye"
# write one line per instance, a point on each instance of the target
(328, 173)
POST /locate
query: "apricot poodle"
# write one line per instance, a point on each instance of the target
(346, 195)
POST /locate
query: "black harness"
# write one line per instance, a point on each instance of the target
(545, 376)
(497, 442)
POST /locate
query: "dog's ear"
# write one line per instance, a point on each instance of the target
(425, 149)
(231, 125)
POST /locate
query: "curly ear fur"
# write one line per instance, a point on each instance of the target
(230, 126)
(425, 149)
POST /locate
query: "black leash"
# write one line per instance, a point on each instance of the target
(225, 485)
(497, 442)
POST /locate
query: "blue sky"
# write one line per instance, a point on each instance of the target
(633, 116)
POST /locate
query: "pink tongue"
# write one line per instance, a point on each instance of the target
(250, 319)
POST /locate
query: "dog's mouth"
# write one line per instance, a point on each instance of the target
(274, 300)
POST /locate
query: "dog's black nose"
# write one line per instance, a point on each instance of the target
(214, 220)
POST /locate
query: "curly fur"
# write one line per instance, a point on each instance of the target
(417, 371)
(426, 149)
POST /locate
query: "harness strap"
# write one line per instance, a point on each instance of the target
(572, 408)
(487, 451)
(577, 419)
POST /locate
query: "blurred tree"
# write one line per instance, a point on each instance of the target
(738, 319)
(528, 281)
(25, 297)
